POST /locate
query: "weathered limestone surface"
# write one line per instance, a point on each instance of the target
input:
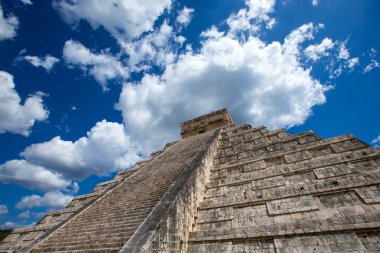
(235, 189)
(270, 191)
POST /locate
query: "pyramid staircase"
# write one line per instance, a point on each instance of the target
(108, 222)
(226, 188)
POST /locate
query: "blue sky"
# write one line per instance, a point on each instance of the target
(89, 87)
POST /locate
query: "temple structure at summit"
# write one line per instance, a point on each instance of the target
(226, 187)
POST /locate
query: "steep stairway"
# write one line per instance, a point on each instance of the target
(106, 225)
(21, 239)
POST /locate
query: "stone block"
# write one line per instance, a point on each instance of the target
(370, 195)
(292, 205)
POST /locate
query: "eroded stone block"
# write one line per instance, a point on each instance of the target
(370, 195)
(321, 243)
(292, 205)
(249, 216)
(261, 246)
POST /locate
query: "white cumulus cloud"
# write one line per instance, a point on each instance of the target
(31, 176)
(252, 17)
(103, 66)
(258, 82)
(52, 165)
(106, 148)
(159, 47)
(185, 16)
(154, 49)
(124, 19)
(16, 117)
(3, 209)
(8, 26)
(49, 199)
(46, 62)
(212, 33)
(293, 42)
(314, 52)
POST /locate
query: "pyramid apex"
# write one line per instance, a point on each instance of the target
(204, 123)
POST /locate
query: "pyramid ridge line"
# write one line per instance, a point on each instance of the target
(142, 234)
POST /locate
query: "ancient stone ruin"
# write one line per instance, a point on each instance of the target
(226, 188)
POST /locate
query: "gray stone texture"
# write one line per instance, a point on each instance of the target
(270, 191)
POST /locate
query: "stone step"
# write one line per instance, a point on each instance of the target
(241, 246)
(326, 243)
(343, 223)
(131, 207)
(110, 250)
(113, 216)
(122, 210)
(144, 198)
(215, 215)
(112, 207)
(261, 170)
(106, 224)
(89, 238)
(104, 231)
(293, 154)
(239, 131)
(289, 142)
(88, 247)
(110, 218)
(113, 203)
(102, 224)
(114, 239)
(92, 236)
(327, 146)
(259, 137)
(245, 136)
(249, 196)
(290, 209)
(269, 144)
(262, 140)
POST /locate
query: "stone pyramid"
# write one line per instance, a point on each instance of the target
(226, 188)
